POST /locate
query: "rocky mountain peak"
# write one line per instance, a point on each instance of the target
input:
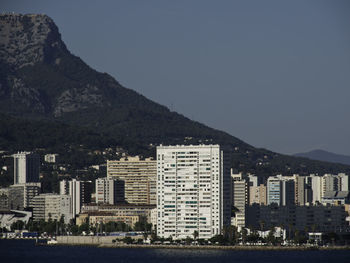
(27, 39)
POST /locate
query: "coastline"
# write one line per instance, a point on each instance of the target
(209, 247)
(191, 247)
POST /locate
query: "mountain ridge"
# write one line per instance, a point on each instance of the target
(41, 82)
(322, 155)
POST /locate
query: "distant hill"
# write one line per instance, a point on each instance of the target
(50, 98)
(325, 156)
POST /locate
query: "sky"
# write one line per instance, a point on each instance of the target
(273, 73)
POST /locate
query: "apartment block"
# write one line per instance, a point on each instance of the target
(21, 195)
(240, 198)
(26, 167)
(109, 191)
(139, 178)
(79, 191)
(193, 191)
(314, 217)
(52, 206)
(257, 195)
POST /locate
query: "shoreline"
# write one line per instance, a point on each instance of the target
(193, 247)
(208, 247)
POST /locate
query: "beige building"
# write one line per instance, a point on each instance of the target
(139, 177)
(95, 218)
(257, 195)
(121, 210)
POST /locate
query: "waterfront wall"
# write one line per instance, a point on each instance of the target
(85, 240)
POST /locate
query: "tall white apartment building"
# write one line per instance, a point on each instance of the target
(79, 191)
(193, 191)
(25, 167)
(109, 191)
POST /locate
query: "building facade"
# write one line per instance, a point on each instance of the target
(319, 217)
(79, 191)
(139, 177)
(240, 198)
(26, 167)
(109, 191)
(52, 207)
(193, 189)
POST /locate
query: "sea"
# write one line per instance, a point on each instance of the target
(20, 251)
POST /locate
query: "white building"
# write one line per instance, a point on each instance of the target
(109, 191)
(193, 191)
(51, 158)
(52, 206)
(8, 217)
(79, 191)
(316, 186)
(25, 167)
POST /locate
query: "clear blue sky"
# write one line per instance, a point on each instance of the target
(275, 74)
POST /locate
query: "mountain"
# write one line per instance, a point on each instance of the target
(325, 156)
(50, 98)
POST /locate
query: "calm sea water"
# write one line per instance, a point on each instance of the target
(26, 251)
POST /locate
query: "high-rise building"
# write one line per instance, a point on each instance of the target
(274, 190)
(52, 206)
(316, 187)
(303, 192)
(280, 190)
(344, 182)
(109, 191)
(240, 197)
(330, 182)
(193, 191)
(139, 177)
(79, 191)
(26, 167)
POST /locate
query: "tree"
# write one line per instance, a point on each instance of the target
(195, 234)
(145, 235)
(127, 240)
(188, 240)
(271, 239)
(18, 225)
(244, 235)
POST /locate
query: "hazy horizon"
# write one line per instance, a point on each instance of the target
(275, 74)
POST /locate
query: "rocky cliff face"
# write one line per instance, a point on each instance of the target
(27, 39)
(35, 70)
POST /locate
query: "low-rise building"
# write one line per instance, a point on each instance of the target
(8, 217)
(121, 209)
(51, 158)
(313, 217)
(336, 198)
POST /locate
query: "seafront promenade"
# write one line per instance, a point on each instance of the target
(107, 242)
